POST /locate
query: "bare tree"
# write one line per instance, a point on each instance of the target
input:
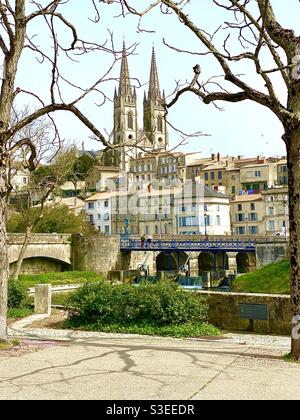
(261, 38)
(42, 184)
(17, 38)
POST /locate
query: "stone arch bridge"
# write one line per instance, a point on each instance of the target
(100, 253)
(45, 252)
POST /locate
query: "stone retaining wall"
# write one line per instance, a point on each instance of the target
(223, 312)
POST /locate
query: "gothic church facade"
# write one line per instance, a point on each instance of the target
(130, 141)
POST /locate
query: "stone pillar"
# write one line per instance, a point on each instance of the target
(232, 264)
(42, 299)
(206, 279)
(194, 264)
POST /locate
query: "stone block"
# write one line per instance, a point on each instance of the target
(42, 299)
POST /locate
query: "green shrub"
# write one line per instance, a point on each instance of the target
(17, 294)
(18, 313)
(149, 304)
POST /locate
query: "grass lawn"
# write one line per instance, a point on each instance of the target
(273, 278)
(60, 298)
(59, 279)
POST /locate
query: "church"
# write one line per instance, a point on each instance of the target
(129, 140)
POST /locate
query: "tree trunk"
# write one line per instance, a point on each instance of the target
(4, 264)
(22, 253)
(292, 139)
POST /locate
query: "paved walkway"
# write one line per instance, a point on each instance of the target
(108, 366)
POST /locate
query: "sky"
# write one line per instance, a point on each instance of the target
(245, 128)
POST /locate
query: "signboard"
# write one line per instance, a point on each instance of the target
(253, 312)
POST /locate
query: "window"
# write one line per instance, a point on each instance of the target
(24, 180)
(241, 230)
(91, 218)
(106, 203)
(240, 217)
(233, 190)
(252, 206)
(160, 124)
(218, 221)
(253, 230)
(271, 211)
(220, 175)
(156, 230)
(206, 176)
(106, 216)
(257, 174)
(205, 207)
(99, 216)
(240, 207)
(212, 175)
(253, 217)
(130, 120)
(208, 220)
(91, 206)
(283, 169)
(271, 225)
(188, 221)
(107, 230)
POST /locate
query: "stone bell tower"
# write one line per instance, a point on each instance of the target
(125, 117)
(155, 125)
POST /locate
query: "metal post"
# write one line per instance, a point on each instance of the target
(215, 261)
(205, 223)
(169, 261)
(224, 261)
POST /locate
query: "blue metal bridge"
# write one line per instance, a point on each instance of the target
(202, 245)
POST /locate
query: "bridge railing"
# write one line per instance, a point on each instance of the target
(130, 244)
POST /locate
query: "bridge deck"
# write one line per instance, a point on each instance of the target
(223, 245)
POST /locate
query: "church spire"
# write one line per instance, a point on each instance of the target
(154, 89)
(125, 85)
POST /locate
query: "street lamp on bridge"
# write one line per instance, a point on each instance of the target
(205, 222)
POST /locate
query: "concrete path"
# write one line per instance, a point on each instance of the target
(108, 366)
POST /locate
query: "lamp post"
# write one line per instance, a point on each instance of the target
(205, 223)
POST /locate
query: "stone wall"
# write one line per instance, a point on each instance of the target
(39, 266)
(269, 253)
(223, 312)
(102, 254)
(53, 246)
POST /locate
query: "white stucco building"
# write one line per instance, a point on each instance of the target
(205, 214)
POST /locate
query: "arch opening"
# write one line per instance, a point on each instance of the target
(166, 261)
(246, 262)
(41, 265)
(209, 261)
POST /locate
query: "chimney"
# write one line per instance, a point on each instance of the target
(239, 157)
(219, 157)
(213, 156)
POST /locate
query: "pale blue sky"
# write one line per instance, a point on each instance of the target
(242, 129)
